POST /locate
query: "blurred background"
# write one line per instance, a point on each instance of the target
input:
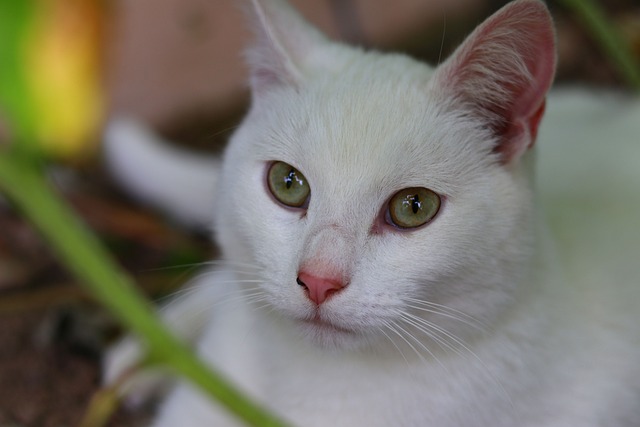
(177, 66)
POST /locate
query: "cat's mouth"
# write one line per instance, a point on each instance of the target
(324, 325)
(328, 333)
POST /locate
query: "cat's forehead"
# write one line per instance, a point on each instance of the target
(374, 121)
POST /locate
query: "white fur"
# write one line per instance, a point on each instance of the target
(472, 320)
(179, 183)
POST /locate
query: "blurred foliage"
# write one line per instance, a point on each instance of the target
(51, 101)
(50, 80)
(608, 36)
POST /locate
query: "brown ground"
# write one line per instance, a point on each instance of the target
(52, 335)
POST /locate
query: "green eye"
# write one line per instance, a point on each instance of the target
(288, 185)
(413, 207)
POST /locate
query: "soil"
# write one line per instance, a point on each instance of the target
(52, 334)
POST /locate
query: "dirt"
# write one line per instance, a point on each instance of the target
(52, 334)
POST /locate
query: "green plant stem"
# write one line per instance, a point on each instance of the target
(83, 254)
(610, 40)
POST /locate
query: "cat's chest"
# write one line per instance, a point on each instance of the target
(322, 387)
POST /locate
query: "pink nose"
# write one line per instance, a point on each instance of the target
(318, 289)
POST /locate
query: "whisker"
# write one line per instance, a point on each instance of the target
(227, 298)
(444, 332)
(263, 306)
(249, 268)
(421, 344)
(392, 327)
(210, 272)
(190, 267)
(445, 310)
(229, 263)
(450, 316)
(433, 327)
(385, 324)
(189, 289)
(222, 131)
(236, 295)
(443, 344)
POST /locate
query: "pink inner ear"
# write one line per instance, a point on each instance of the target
(504, 70)
(519, 135)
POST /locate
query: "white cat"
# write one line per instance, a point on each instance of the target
(385, 258)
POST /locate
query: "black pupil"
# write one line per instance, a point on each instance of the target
(415, 204)
(288, 180)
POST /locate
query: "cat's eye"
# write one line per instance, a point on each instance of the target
(288, 185)
(413, 207)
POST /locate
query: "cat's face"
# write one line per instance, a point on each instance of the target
(357, 136)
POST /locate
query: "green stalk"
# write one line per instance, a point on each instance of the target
(83, 254)
(609, 39)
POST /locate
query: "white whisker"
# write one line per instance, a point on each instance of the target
(433, 327)
(428, 328)
(421, 344)
(446, 311)
(443, 344)
(392, 327)
(386, 325)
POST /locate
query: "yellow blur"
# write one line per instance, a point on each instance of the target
(63, 74)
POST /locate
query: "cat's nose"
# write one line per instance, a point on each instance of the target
(318, 289)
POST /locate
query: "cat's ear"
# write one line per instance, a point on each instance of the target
(503, 71)
(283, 42)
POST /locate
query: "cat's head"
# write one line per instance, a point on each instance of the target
(378, 195)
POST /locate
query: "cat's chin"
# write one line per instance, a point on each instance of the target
(330, 335)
